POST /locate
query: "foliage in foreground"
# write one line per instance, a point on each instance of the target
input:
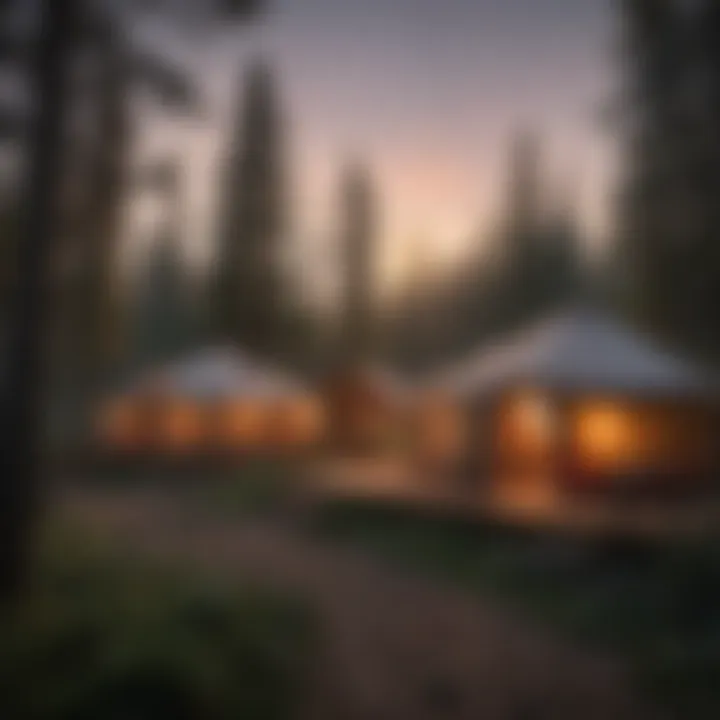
(659, 607)
(103, 638)
(255, 485)
(258, 487)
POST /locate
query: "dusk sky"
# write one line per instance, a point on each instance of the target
(428, 93)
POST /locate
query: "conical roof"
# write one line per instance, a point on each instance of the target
(580, 350)
(219, 372)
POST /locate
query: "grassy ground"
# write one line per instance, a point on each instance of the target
(257, 487)
(659, 607)
(251, 486)
(103, 637)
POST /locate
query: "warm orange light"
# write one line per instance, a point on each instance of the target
(242, 423)
(533, 420)
(607, 436)
(181, 426)
(307, 417)
(299, 422)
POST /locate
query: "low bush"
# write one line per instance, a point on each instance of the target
(257, 487)
(101, 637)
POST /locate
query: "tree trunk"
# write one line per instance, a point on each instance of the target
(23, 410)
(101, 321)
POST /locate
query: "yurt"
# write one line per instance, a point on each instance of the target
(581, 402)
(366, 405)
(214, 401)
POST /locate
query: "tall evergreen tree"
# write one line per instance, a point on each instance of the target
(669, 219)
(517, 285)
(8, 243)
(121, 69)
(247, 285)
(524, 201)
(92, 294)
(536, 268)
(655, 67)
(560, 264)
(163, 321)
(54, 50)
(22, 395)
(358, 259)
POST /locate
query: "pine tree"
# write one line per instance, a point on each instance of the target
(8, 243)
(536, 268)
(517, 289)
(667, 253)
(247, 284)
(163, 320)
(706, 186)
(651, 250)
(121, 69)
(559, 267)
(93, 293)
(524, 202)
(358, 258)
(23, 391)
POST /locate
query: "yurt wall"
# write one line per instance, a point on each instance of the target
(626, 441)
(296, 423)
(526, 430)
(240, 424)
(215, 402)
(545, 440)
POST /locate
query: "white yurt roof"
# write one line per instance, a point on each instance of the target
(217, 373)
(577, 350)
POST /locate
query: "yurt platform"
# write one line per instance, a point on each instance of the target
(392, 484)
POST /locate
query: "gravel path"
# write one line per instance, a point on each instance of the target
(393, 646)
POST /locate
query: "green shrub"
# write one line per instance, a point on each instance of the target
(257, 487)
(103, 638)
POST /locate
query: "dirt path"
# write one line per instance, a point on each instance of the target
(395, 647)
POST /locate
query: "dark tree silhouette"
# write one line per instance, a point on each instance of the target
(246, 286)
(358, 227)
(522, 234)
(22, 392)
(96, 310)
(163, 320)
(60, 24)
(667, 256)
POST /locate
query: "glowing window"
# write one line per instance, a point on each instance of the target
(607, 436)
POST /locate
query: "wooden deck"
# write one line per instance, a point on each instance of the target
(392, 484)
